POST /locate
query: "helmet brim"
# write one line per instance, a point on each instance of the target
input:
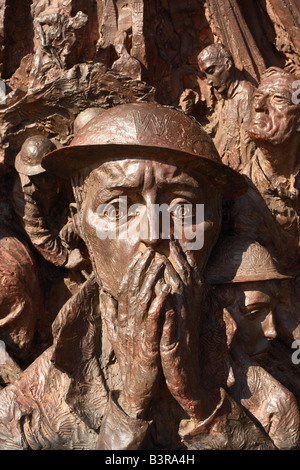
(68, 161)
(239, 259)
(27, 170)
(236, 278)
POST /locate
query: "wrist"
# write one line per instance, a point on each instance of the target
(119, 431)
(133, 410)
(204, 406)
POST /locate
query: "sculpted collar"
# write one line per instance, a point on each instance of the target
(286, 189)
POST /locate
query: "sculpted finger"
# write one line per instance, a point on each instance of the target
(139, 271)
(130, 310)
(123, 300)
(148, 288)
(173, 278)
(169, 338)
(194, 268)
(109, 307)
(179, 297)
(179, 262)
(127, 276)
(155, 314)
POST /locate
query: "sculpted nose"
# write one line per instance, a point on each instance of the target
(150, 225)
(260, 104)
(268, 327)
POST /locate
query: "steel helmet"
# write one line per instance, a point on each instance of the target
(240, 259)
(147, 131)
(85, 116)
(28, 160)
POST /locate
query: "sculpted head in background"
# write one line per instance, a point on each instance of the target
(84, 117)
(151, 155)
(276, 115)
(247, 284)
(28, 160)
(218, 66)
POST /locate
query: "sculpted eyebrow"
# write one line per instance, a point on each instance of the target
(179, 184)
(256, 304)
(131, 186)
(108, 193)
(248, 308)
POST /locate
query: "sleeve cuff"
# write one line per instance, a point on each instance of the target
(227, 428)
(119, 431)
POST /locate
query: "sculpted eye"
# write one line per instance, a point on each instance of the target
(257, 97)
(114, 210)
(119, 210)
(210, 70)
(257, 311)
(181, 210)
(279, 99)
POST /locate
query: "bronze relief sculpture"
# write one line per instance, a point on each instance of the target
(149, 268)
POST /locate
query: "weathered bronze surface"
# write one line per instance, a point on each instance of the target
(149, 230)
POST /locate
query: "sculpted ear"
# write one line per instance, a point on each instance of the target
(228, 63)
(230, 325)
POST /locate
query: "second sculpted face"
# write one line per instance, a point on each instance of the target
(253, 312)
(217, 71)
(276, 119)
(143, 183)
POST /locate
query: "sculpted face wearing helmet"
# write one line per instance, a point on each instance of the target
(150, 154)
(247, 284)
(154, 156)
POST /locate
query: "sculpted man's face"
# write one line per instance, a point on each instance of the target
(252, 310)
(143, 183)
(276, 119)
(217, 70)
